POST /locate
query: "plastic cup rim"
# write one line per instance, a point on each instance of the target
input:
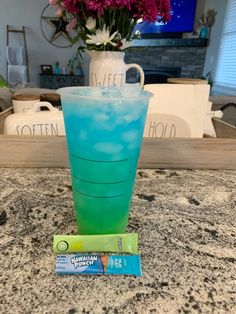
(147, 94)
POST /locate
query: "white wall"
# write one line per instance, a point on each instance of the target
(215, 34)
(27, 12)
(200, 8)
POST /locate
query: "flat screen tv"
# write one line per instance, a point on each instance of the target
(182, 20)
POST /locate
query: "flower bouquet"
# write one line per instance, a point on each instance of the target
(107, 25)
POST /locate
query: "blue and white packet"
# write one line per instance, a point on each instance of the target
(98, 264)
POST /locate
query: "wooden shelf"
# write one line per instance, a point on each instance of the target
(168, 42)
(172, 153)
(55, 81)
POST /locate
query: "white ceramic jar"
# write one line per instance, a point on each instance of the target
(108, 68)
(22, 103)
(36, 122)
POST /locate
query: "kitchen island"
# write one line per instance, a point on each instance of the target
(186, 220)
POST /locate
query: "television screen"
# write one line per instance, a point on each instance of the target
(182, 19)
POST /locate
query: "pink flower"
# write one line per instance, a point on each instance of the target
(72, 6)
(124, 44)
(52, 2)
(71, 25)
(120, 3)
(59, 10)
(98, 6)
(164, 9)
(149, 10)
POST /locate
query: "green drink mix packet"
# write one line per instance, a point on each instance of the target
(116, 243)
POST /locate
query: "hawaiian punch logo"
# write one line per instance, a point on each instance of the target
(85, 260)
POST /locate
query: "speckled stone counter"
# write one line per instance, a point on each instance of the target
(187, 226)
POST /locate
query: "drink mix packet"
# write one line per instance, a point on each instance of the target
(98, 264)
(118, 243)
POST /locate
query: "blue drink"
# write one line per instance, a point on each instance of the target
(104, 133)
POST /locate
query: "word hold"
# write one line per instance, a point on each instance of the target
(160, 129)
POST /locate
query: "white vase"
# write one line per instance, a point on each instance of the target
(107, 68)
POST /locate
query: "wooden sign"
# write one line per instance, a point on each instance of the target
(166, 126)
(177, 110)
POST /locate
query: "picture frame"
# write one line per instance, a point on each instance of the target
(46, 69)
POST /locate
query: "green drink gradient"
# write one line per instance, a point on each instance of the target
(104, 130)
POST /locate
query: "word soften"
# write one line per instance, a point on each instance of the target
(38, 129)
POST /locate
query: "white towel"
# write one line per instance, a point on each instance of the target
(20, 56)
(17, 73)
(11, 55)
(16, 55)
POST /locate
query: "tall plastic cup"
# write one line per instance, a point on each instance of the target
(104, 132)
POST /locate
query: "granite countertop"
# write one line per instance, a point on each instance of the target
(186, 221)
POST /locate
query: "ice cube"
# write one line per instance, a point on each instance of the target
(101, 117)
(81, 91)
(125, 91)
(130, 136)
(95, 92)
(130, 90)
(108, 148)
(111, 92)
(119, 107)
(88, 91)
(135, 112)
(132, 116)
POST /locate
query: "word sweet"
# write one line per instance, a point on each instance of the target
(108, 79)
